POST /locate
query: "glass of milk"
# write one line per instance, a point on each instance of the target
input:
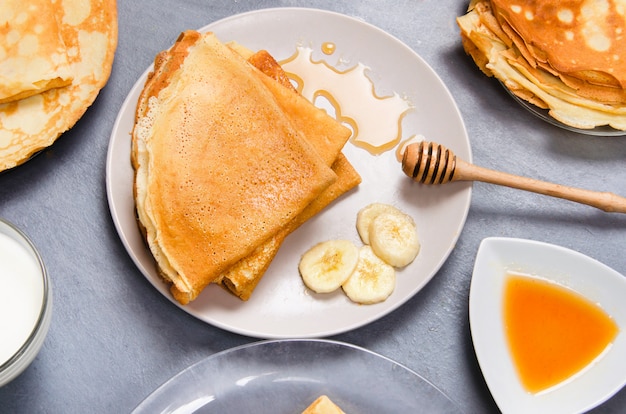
(25, 302)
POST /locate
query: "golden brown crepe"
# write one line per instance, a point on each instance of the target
(242, 278)
(567, 57)
(88, 28)
(33, 55)
(581, 39)
(326, 134)
(323, 405)
(220, 168)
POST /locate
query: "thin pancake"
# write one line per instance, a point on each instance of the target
(583, 39)
(33, 56)
(89, 28)
(327, 135)
(220, 167)
(569, 100)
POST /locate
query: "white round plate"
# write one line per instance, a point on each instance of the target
(285, 376)
(280, 306)
(590, 278)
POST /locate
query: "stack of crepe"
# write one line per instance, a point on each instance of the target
(566, 57)
(55, 56)
(229, 159)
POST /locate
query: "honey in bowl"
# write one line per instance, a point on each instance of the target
(553, 333)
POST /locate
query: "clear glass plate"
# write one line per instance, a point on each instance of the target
(285, 376)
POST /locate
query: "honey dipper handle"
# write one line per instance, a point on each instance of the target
(605, 201)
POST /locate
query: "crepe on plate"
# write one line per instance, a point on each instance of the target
(220, 168)
(55, 58)
(326, 134)
(566, 57)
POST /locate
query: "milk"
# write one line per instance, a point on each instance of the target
(21, 295)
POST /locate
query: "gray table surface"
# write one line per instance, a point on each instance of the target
(114, 338)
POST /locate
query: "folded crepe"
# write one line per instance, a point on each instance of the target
(34, 55)
(59, 56)
(567, 58)
(242, 278)
(327, 135)
(219, 167)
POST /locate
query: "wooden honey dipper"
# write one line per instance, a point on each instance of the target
(432, 163)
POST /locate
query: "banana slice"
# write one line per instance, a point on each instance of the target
(394, 238)
(372, 281)
(367, 214)
(327, 265)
